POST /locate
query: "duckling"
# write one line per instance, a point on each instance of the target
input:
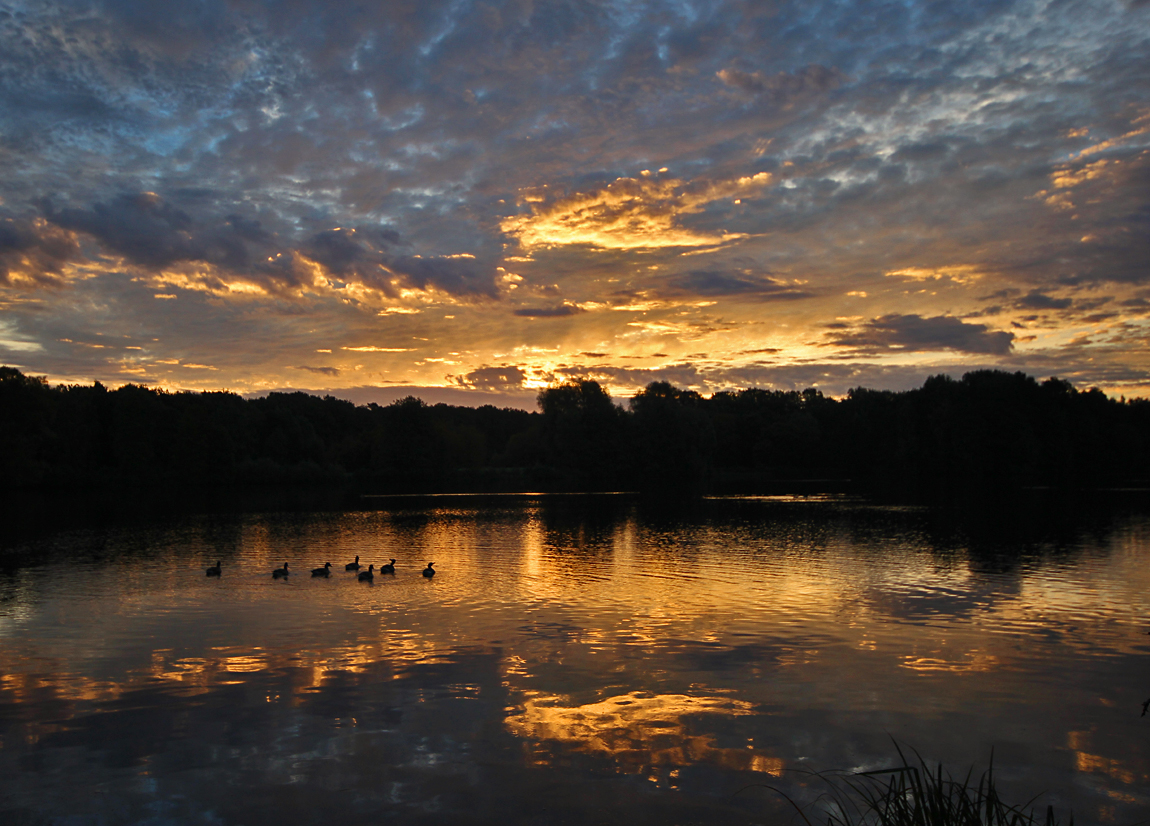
(367, 576)
(352, 566)
(324, 571)
(280, 573)
(214, 570)
(388, 568)
(429, 571)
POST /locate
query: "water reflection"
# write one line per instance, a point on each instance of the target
(637, 731)
(574, 660)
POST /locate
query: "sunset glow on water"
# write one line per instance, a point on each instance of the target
(574, 658)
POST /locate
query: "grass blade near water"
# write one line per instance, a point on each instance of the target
(914, 794)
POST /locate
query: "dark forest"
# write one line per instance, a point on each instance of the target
(989, 432)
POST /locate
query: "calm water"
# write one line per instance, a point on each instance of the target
(575, 660)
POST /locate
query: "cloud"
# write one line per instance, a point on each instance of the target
(738, 283)
(10, 339)
(34, 253)
(492, 379)
(957, 273)
(1035, 300)
(371, 348)
(918, 334)
(326, 371)
(784, 87)
(549, 312)
(342, 250)
(453, 275)
(629, 213)
(154, 234)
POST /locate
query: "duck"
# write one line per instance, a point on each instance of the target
(324, 571)
(214, 570)
(367, 576)
(429, 571)
(280, 573)
(389, 568)
(352, 566)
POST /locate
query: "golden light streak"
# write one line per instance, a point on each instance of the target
(372, 349)
(958, 273)
(1118, 141)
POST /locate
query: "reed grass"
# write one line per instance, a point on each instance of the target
(915, 794)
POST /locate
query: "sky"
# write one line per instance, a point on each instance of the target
(470, 201)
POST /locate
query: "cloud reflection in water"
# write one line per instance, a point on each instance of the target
(637, 731)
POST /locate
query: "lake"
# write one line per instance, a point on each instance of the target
(576, 659)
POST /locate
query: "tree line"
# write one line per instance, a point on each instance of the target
(988, 432)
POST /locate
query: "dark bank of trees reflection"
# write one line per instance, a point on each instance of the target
(990, 432)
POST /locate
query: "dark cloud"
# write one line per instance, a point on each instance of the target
(549, 312)
(326, 371)
(784, 86)
(1035, 300)
(498, 379)
(456, 276)
(916, 152)
(33, 253)
(916, 333)
(719, 283)
(341, 251)
(152, 232)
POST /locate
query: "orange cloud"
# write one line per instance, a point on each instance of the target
(630, 213)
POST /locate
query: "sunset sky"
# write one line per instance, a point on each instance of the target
(471, 200)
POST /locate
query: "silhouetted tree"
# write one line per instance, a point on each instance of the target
(584, 434)
(675, 440)
(986, 434)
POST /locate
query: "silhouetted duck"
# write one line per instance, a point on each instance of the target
(214, 570)
(429, 571)
(280, 573)
(352, 566)
(367, 576)
(389, 568)
(324, 571)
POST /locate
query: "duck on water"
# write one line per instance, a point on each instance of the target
(280, 573)
(429, 571)
(389, 568)
(352, 566)
(324, 571)
(367, 576)
(214, 570)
